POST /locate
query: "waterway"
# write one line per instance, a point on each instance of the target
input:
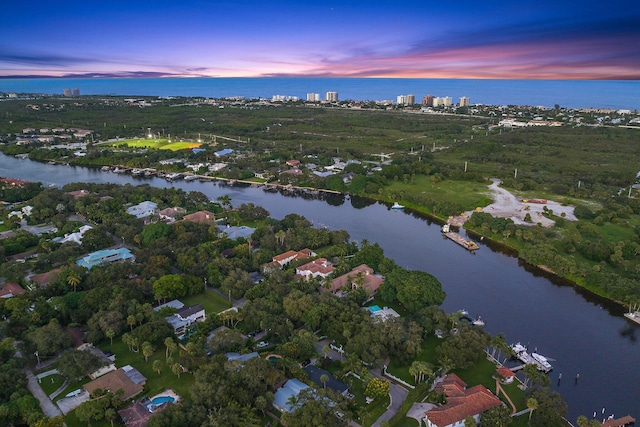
(586, 335)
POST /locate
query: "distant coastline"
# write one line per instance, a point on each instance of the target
(601, 94)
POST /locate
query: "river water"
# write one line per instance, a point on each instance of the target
(585, 334)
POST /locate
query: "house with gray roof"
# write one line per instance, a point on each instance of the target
(281, 401)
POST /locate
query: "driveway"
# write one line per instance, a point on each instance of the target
(418, 409)
(68, 404)
(398, 394)
(48, 407)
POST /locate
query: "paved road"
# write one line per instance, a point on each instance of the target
(48, 407)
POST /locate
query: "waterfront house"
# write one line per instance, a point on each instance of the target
(506, 374)
(105, 256)
(361, 276)
(462, 402)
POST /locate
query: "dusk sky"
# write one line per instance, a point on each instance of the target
(240, 38)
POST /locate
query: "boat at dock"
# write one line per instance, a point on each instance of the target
(469, 245)
(541, 362)
(191, 177)
(634, 316)
(397, 205)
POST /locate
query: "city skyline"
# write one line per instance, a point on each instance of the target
(502, 40)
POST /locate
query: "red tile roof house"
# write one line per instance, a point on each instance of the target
(370, 282)
(10, 290)
(506, 374)
(201, 217)
(283, 259)
(293, 162)
(462, 402)
(317, 268)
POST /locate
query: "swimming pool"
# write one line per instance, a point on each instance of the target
(374, 308)
(159, 400)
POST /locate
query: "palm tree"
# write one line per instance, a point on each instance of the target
(157, 366)
(280, 235)
(176, 369)
(413, 370)
(131, 321)
(325, 351)
(126, 338)
(324, 379)
(147, 350)
(73, 279)
(168, 342)
(532, 404)
(110, 334)
(110, 414)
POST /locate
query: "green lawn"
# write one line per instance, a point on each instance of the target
(467, 194)
(155, 383)
(51, 383)
(212, 303)
(162, 144)
(373, 409)
(483, 373)
(428, 354)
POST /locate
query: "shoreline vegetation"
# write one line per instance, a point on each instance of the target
(436, 165)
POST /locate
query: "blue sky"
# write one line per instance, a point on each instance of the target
(463, 39)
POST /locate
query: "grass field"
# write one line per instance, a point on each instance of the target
(51, 383)
(212, 303)
(424, 191)
(161, 144)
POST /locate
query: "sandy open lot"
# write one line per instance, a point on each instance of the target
(506, 205)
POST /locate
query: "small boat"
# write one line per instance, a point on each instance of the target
(396, 205)
(106, 169)
(190, 177)
(478, 321)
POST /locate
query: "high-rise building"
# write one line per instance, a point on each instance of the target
(464, 101)
(313, 97)
(447, 101)
(331, 97)
(427, 100)
(67, 92)
(401, 99)
(75, 91)
(410, 99)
